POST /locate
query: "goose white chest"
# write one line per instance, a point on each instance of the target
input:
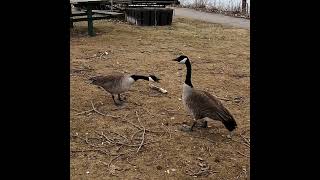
(186, 92)
(126, 83)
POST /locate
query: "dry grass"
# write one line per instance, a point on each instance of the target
(220, 58)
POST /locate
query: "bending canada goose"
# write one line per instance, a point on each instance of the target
(201, 104)
(119, 83)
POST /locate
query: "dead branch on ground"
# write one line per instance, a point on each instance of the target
(243, 154)
(114, 159)
(143, 134)
(94, 109)
(247, 141)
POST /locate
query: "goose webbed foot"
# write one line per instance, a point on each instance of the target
(119, 104)
(119, 98)
(230, 134)
(187, 128)
(202, 123)
(116, 102)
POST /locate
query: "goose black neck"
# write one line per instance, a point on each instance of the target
(137, 77)
(188, 76)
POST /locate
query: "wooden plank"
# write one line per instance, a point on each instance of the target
(86, 1)
(93, 16)
(78, 13)
(85, 18)
(153, 2)
(106, 12)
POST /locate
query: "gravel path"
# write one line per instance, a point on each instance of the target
(211, 17)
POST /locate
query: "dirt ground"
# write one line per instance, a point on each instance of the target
(142, 140)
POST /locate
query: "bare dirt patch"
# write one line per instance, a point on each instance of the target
(142, 140)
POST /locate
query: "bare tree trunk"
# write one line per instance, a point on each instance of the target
(244, 6)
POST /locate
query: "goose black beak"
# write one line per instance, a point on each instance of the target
(176, 59)
(155, 79)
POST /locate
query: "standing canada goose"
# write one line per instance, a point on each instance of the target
(201, 104)
(119, 83)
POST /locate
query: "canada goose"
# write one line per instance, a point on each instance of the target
(201, 104)
(119, 83)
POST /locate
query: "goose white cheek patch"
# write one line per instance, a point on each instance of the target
(150, 79)
(130, 80)
(183, 61)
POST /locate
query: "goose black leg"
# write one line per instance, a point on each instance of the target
(115, 102)
(119, 97)
(230, 134)
(114, 99)
(194, 123)
(187, 128)
(203, 123)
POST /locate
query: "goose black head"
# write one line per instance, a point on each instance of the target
(181, 59)
(153, 78)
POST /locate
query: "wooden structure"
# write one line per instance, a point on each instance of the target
(138, 12)
(88, 13)
(149, 12)
(149, 16)
(122, 4)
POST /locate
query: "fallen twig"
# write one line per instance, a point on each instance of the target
(84, 112)
(143, 134)
(95, 110)
(92, 145)
(135, 134)
(246, 128)
(246, 140)
(138, 119)
(244, 143)
(114, 159)
(119, 148)
(243, 154)
(167, 131)
(224, 99)
(130, 162)
(248, 145)
(202, 171)
(118, 143)
(104, 163)
(86, 150)
(138, 127)
(209, 151)
(129, 145)
(86, 140)
(119, 135)
(142, 141)
(80, 70)
(172, 110)
(205, 138)
(75, 109)
(109, 140)
(100, 56)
